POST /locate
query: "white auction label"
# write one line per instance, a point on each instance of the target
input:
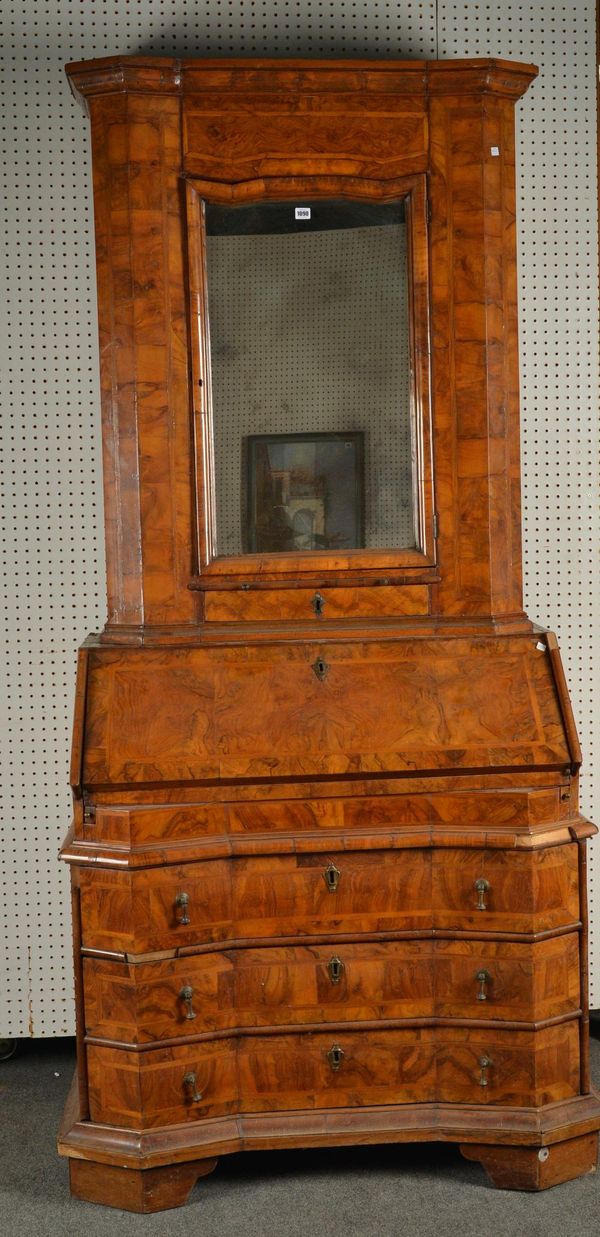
(303, 212)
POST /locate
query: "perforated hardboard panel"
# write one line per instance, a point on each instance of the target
(52, 541)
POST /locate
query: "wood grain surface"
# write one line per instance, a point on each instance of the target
(142, 1002)
(255, 1073)
(379, 891)
(206, 714)
(231, 746)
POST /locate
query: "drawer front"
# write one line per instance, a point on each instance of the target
(139, 1090)
(374, 891)
(530, 1068)
(332, 1069)
(138, 1003)
(277, 604)
(245, 820)
(288, 895)
(500, 980)
(273, 1072)
(245, 988)
(506, 891)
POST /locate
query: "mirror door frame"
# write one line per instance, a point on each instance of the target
(360, 565)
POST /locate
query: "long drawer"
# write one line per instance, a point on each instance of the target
(350, 892)
(332, 1069)
(139, 1003)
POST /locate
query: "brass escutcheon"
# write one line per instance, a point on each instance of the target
(320, 668)
(331, 876)
(336, 968)
(335, 1056)
(318, 604)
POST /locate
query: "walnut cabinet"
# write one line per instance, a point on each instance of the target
(328, 864)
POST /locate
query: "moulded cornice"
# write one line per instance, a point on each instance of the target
(165, 75)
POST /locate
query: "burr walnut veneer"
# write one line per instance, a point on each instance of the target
(328, 864)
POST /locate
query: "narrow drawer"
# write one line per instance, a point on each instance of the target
(276, 604)
(139, 1003)
(331, 1069)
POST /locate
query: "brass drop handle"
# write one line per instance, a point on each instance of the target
(331, 876)
(481, 887)
(483, 979)
(484, 1065)
(187, 995)
(335, 1056)
(189, 1082)
(182, 902)
(336, 968)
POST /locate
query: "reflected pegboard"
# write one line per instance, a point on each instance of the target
(304, 340)
(51, 507)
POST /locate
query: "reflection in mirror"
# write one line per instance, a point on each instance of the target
(310, 365)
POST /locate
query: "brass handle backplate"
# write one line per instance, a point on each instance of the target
(189, 1082)
(484, 1065)
(335, 1056)
(182, 902)
(336, 968)
(331, 876)
(483, 979)
(481, 887)
(187, 995)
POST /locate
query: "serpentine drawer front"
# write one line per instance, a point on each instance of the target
(334, 1068)
(179, 997)
(370, 891)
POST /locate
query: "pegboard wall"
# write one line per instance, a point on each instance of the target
(51, 507)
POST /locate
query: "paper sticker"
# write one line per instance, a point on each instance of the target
(302, 212)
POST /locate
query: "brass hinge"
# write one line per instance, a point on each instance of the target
(89, 813)
(565, 792)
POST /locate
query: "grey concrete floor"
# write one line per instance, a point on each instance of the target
(425, 1190)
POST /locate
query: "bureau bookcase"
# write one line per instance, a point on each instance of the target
(328, 867)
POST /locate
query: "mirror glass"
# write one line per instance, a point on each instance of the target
(308, 305)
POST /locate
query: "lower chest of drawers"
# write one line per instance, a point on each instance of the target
(316, 980)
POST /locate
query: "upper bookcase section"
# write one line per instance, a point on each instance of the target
(308, 322)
